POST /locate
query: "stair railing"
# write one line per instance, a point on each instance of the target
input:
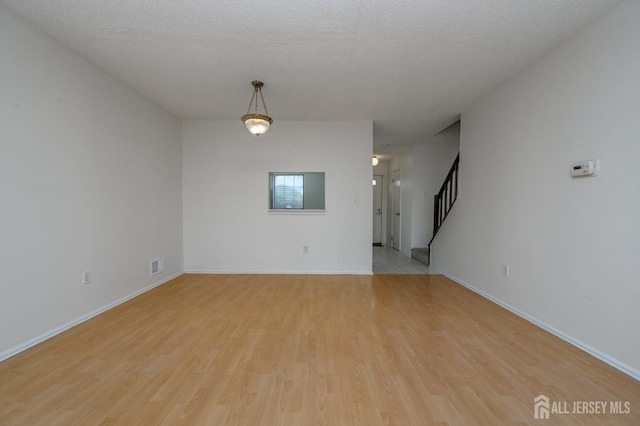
(444, 200)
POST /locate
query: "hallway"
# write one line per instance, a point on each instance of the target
(387, 260)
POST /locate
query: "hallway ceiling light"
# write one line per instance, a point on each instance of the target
(374, 161)
(257, 124)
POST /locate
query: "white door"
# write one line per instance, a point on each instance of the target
(377, 210)
(396, 185)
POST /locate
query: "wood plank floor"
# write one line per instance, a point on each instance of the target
(307, 350)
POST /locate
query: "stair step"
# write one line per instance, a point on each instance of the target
(420, 254)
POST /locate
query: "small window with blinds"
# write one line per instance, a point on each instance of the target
(296, 192)
(288, 192)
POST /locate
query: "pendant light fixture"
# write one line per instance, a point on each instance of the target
(257, 124)
(374, 161)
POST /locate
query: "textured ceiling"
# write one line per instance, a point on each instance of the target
(411, 66)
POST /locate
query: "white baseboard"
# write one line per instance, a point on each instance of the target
(273, 272)
(615, 363)
(54, 332)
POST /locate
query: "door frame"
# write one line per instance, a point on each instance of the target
(396, 240)
(383, 209)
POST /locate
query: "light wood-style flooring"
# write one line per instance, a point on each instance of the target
(306, 350)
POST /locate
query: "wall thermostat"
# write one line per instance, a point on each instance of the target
(585, 168)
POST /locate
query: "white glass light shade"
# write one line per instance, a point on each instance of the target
(374, 161)
(257, 124)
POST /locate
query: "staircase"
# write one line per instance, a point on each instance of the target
(421, 254)
(443, 201)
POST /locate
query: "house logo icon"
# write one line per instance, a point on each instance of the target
(541, 407)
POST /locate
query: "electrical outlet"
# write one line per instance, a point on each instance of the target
(505, 270)
(86, 277)
(305, 249)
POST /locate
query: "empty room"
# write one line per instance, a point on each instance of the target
(329, 212)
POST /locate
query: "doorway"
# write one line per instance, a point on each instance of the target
(396, 183)
(377, 209)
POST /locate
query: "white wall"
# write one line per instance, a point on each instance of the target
(571, 244)
(90, 179)
(227, 227)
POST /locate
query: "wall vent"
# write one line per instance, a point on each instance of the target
(156, 266)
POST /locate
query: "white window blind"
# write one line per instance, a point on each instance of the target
(288, 191)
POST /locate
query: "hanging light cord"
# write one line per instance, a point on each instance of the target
(263, 104)
(257, 87)
(252, 98)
